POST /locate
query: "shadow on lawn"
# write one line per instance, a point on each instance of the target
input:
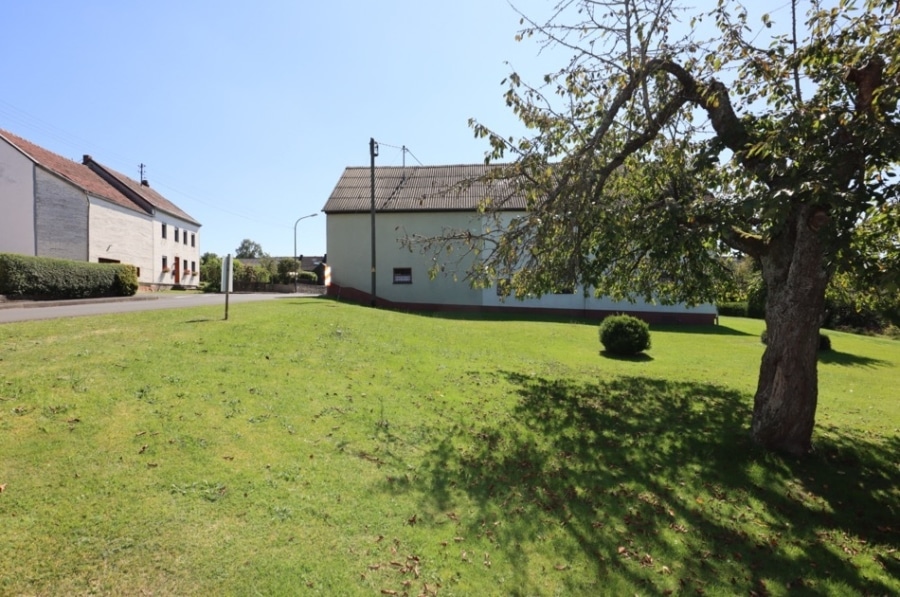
(845, 358)
(658, 483)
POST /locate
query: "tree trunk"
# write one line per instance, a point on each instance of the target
(784, 408)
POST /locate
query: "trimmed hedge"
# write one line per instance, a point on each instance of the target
(22, 276)
(824, 340)
(736, 309)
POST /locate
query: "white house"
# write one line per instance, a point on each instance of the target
(174, 235)
(427, 201)
(55, 207)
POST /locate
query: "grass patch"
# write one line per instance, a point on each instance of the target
(310, 446)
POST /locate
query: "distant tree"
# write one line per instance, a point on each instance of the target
(211, 271)
(287, 270)
(249, 249)
(651, 151)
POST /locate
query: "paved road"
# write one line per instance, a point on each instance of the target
(28, 310)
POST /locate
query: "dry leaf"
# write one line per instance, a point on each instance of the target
(2, 487)
(562, 566)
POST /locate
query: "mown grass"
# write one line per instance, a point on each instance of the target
(307, 446)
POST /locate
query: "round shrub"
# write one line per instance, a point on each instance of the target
(824, 341)
(624, 335)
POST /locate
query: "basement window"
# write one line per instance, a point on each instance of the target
(402, 275)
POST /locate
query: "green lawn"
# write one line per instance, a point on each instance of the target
(307, 446)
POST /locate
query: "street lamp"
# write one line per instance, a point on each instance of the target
(295, 244)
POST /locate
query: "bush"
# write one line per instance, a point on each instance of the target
(624, 335)
(756, 302)
(824, 341)
(126, 283)
(734, 309)
(46, 278)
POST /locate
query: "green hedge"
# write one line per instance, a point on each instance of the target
(46, 278)
(734, 309)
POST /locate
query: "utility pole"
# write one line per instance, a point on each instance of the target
(373, 151)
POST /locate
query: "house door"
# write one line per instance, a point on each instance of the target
(177, 271)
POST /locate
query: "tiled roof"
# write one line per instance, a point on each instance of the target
(420, 188)
(77, 174)
(144, 191)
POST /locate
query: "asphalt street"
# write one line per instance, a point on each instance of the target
(12, 311)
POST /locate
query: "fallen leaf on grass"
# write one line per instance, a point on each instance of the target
(388, 592)
(2, 487)
(143, 449)
(562, 566)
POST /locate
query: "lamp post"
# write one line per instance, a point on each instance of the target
(295, 244)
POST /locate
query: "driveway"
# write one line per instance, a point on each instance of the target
(11, 311)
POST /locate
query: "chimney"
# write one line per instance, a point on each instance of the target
(86, 159)
(145, 183)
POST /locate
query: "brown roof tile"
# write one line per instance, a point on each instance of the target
(143, 191)
(77, 174)
(420, 188)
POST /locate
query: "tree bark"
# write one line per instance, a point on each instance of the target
(794, 271)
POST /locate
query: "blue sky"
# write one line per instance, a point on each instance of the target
(246, 113)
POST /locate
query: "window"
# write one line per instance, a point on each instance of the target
(402, 275)
(185, 237)
(193, 239)
(165, 264)
(176, 235)
(164, 231)
(193, 266)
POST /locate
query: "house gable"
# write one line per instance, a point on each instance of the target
(138, 192)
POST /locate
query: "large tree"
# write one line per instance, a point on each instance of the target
(651, 153)
(249, 249)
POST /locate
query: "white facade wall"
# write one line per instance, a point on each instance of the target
(123, 235)
(17, 233)
(579, 302)
(349, 256)
(179, 251)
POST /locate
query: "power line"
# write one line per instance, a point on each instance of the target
(32, 124)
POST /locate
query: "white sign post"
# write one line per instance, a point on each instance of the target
(227, 284)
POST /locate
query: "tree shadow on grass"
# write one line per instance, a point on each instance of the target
(657, 483)
(711, 330)
(845, 358)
